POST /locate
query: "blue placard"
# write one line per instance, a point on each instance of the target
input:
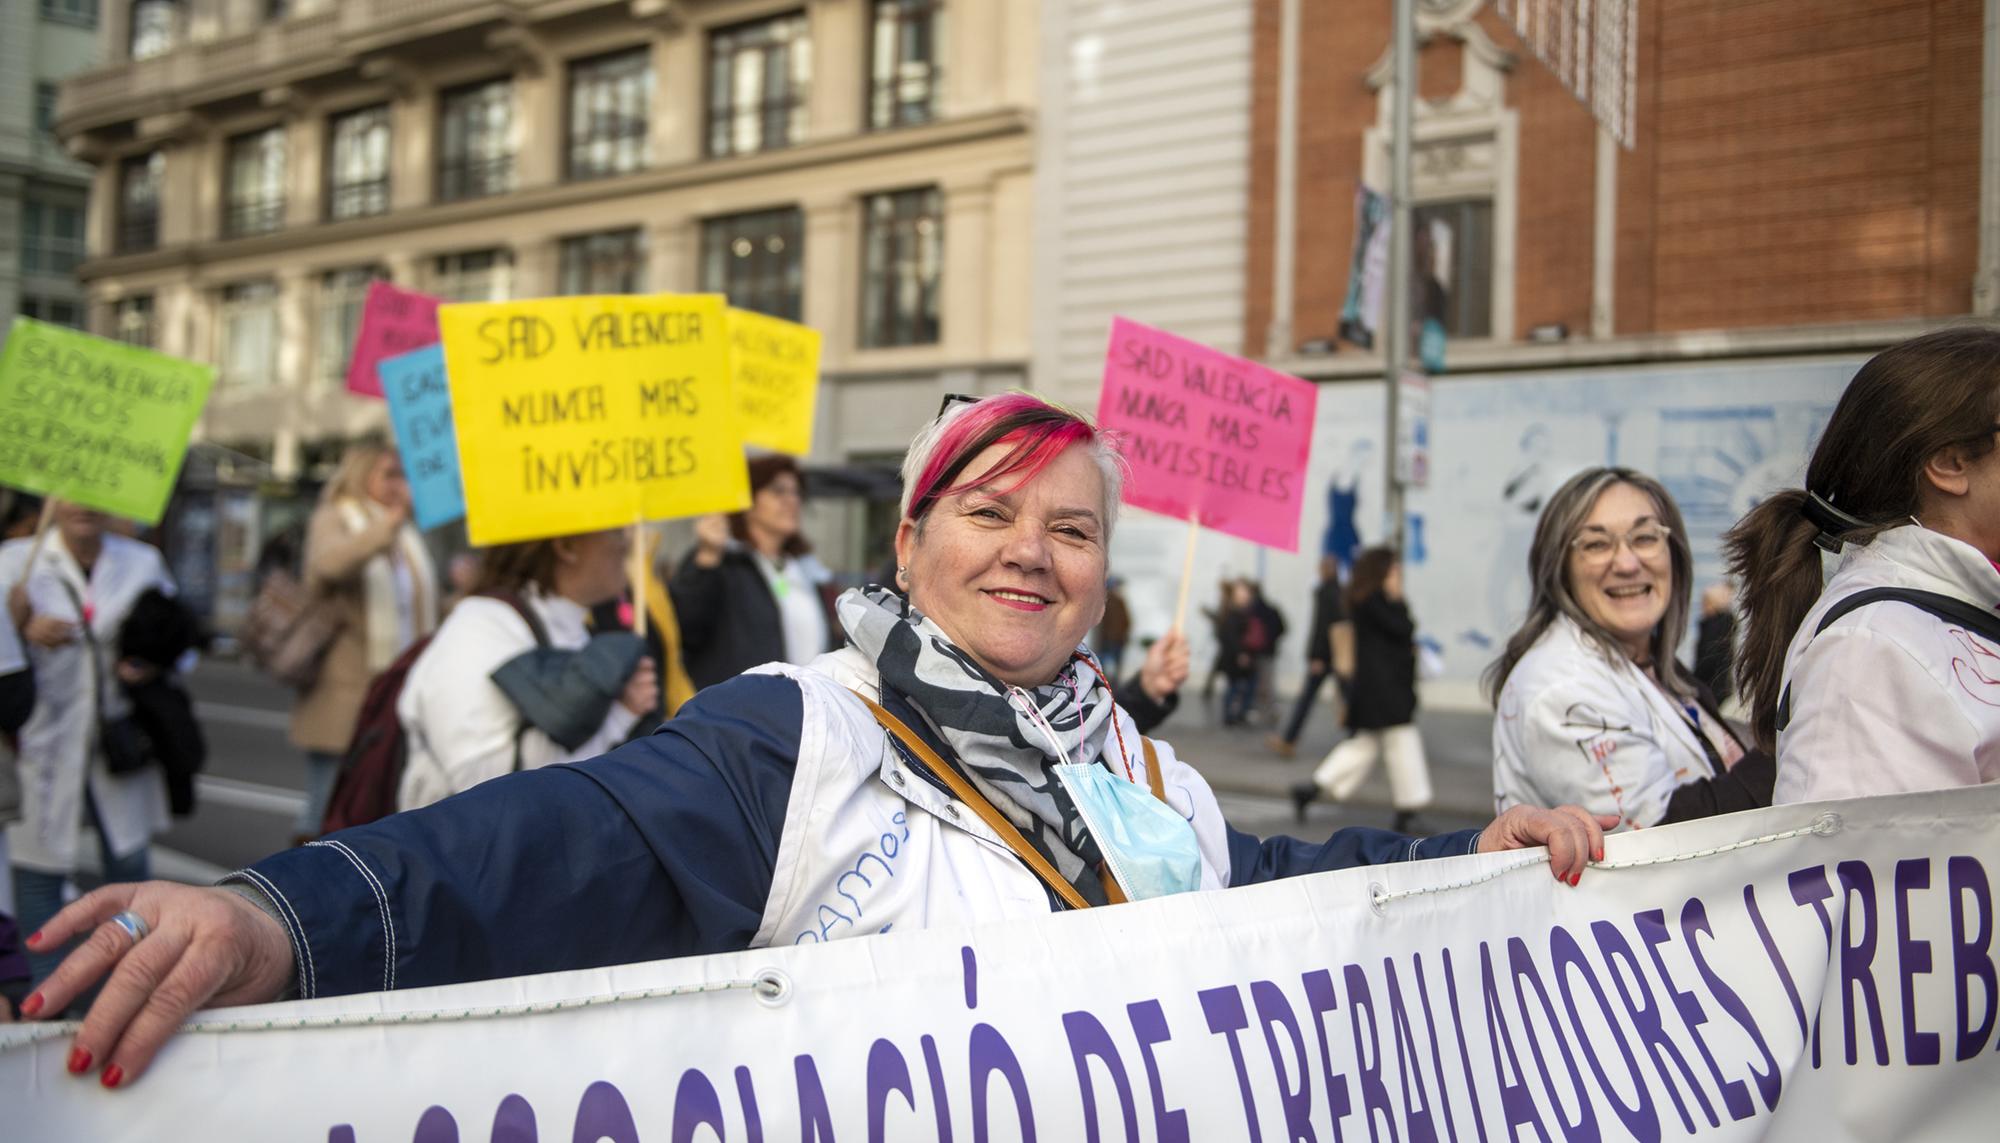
(420, 408)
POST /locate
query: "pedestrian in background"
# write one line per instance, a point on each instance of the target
(1242, 635)
(1328, 610)
(83, 583)
(365, 562)
(751, 591)
(1903, 693)
(1592, 705)
(1269, 633)
(495, 692)
(1382, 697)
(1114, 630)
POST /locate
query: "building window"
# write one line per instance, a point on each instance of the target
(45, 111)
(756, 260)
(139, 179)
(357, 163)
(610, 105)
(904, 72)
(476, 140)
(341, 295)
(611, 262)
(155, 27)
(132, 320)
(254, 184)
(82, 13)
(250, 334)
(902, 265)
(1451, 263)
(474, 276)
(55, 311)
(51, 237)
(275, 10)
(758, 75)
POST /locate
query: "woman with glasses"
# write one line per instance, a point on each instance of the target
(1593, 707)
(750, 592)
(1888, 680)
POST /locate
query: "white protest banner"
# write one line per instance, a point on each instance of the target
(1818, 972)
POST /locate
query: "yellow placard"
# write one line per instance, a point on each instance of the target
(775, 367)
(580, 414)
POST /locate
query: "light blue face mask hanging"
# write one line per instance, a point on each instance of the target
(1149, 847)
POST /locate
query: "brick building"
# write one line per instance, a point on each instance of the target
(1802, 174)
(1807, 183)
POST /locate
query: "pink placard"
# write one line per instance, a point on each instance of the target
(393, 322)
(1209, 436)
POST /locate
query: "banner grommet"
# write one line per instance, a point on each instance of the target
(773, 988)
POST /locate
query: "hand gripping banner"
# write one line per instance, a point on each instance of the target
(1818, 972)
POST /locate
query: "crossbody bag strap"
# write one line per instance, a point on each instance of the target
(90, 642)
(1154, 778)
(965, 792)
(1945, 607)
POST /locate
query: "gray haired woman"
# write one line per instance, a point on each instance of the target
(1592, 706)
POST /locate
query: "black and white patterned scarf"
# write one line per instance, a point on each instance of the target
(1008, 758)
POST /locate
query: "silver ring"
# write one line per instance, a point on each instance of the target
(134, 925)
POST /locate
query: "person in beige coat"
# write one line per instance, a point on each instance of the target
(365, 561)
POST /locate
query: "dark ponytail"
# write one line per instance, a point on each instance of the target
(1906, 405)
(1771, 553)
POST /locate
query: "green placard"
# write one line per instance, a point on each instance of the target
(96, 422)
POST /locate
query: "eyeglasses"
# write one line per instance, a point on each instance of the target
(1598, 546)
(951, 399)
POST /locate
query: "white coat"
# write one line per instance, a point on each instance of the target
(59, 743)
(459, 725)
(868, 845)
(1892, 698)
(1578, 725)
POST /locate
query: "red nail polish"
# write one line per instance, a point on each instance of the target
(1574, 878)
(79, 1061)
(113, 1076)
(35, 937)
(32, 1006)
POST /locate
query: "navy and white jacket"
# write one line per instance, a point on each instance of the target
(772, 810)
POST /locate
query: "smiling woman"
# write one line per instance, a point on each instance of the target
(964, 721)
(1594, 707)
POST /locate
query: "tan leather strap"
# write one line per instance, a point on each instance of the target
(965, 792)
(1154, 778)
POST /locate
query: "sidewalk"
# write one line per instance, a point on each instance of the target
(1236, 761)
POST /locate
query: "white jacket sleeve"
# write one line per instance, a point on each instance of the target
(1868, 717)
(462, 726)
(1586, 743)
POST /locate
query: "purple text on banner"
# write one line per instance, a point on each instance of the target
(1209, 436)
(420, 409)
(393, 321)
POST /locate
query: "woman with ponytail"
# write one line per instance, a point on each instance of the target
(1889, 679)
(1593, 706)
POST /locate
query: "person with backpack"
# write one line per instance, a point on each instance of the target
(366, 566)
(1592, 706)
(514, 679)
(1888, 679)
